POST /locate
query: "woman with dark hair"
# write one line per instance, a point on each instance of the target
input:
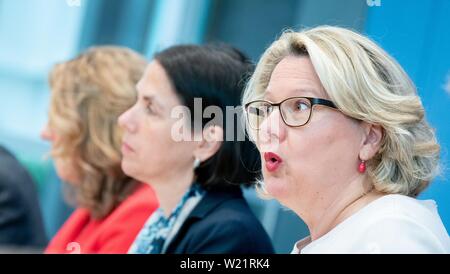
(198, 181)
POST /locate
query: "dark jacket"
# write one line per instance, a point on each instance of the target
(21, 223)
(222, 223)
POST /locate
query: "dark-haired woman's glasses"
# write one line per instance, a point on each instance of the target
(295, 111)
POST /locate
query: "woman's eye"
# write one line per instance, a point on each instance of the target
(149, 108)
(301, 106)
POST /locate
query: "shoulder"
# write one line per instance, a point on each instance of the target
(421, 212)
(112, 234)
(401, 224)
(9, 163)
(137, 207)
(231, 227)
(229, 210)
(234, 211)
(143, 197)
(13, 175)
(17, 187)
(5, 154)
(119, 229)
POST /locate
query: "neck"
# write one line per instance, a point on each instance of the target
(170, 190)
(323, 218)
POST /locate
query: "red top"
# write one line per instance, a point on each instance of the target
(113, 234)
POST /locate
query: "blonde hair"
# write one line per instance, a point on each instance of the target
(369, 85)
(88, 95)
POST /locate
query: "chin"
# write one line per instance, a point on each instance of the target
(276, 187)
(65, 172)
(67, 177)
(127, 168)
(133, 170)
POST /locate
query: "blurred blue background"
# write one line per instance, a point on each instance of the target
(35, 34)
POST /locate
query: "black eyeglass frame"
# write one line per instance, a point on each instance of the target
(313, 101)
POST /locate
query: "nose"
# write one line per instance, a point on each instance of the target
(46, 133)
(126, 121)
(273, 129)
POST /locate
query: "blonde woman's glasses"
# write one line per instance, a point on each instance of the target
(295, 111)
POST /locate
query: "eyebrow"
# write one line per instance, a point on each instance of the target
(309, 92)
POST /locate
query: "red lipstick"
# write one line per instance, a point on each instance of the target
(273, 161)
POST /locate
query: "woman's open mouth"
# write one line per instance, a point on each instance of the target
(272, 160)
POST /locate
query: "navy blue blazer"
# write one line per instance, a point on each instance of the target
(21, 223)
(221, 223)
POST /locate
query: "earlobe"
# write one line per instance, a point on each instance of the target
(211, 142)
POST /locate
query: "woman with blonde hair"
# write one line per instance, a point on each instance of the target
(345, 144)
(88, 95)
